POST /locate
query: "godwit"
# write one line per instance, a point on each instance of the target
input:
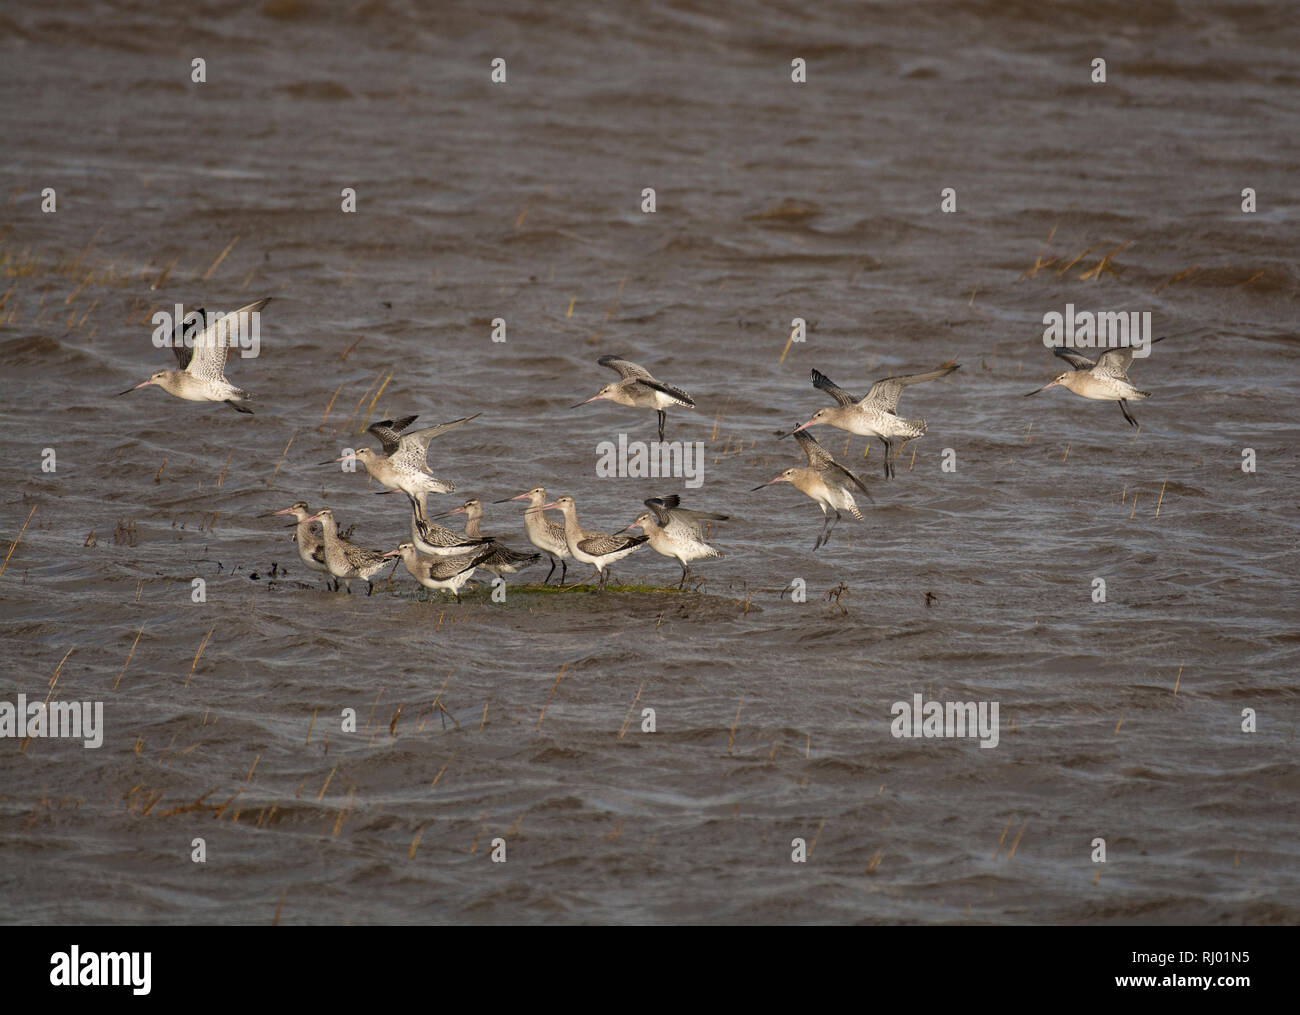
(546, 535)
(502, 560)
(675, 532)
(343, 557)
(434, 539)
(402, 466)
(310, 549)
(202, 373)
(449, 573)
(595, 548)
(826, 482)
(1105, 380)
(639, 390)
(876, 414)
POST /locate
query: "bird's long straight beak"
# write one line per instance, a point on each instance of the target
(547, 507)
(393, 553)
(345, 458)
(768, 483)
(585, 401)
(313, 518)
(522, 496)
(272, 514)
(803, 426)
(1049, 384)
(142, 384)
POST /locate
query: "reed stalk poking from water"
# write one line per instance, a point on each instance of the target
(548, 697)
(129, 655)
(14, 546)
(199, 653)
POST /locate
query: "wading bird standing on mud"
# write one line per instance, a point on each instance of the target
(546, 535)
(639, 390)
(595, 548)
(675, 532)
(202, 359)
(1105, 380)
(343, 557)
(311, 549)
(876, 413)
(826, 482)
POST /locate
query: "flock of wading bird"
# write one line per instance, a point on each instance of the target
(439, 558)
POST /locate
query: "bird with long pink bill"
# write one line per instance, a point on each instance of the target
(1103, 380)
(543, 533)
(825, 481)
(311, 548)
(344, 558)
(876, 413)
(638, 389)
(202, 358)
(447, 574)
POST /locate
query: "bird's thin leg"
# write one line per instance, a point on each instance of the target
(1123, 407)
(370, 587)
(552, 570)
(663, 418)
(685, 574)
(888, 448)
(564, 570)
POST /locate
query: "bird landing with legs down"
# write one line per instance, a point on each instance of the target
(639, 390)
(202, 360)
(825, 481)
(1105, 380)
(876, 413)
(403, 465)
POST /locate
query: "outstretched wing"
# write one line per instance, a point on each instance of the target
(1073, 358)
(818, 456)
(213, 343)
(626, 368)
(415, 445)
(661, 506)
(1115, 362)
(389, 431)
(888, 390)
(824, 383)
(184, 353)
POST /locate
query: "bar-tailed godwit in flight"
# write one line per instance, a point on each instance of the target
(826, 482)
(311, 549)
(202, 359)
(598, 549)
(639, 389)
(673, 531)
(876, 413)
(546, 535)
(403, 464)
(343, 557)
(1105, 380)
(446, 573)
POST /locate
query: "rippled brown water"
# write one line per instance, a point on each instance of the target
(775, 200)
